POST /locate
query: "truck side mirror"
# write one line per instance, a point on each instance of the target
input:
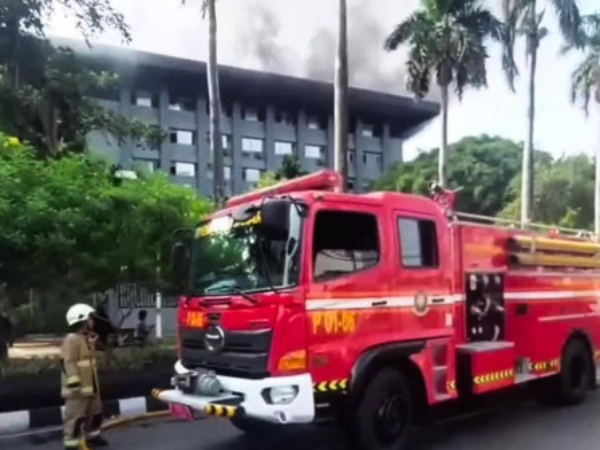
(181, 257)
(275, 219)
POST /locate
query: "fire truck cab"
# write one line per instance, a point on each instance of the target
(302, 302)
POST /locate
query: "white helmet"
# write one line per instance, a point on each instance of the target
(79, 313)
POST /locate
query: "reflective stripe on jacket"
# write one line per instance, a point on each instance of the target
(79, 367)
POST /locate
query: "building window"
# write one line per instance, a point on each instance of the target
(181, 104)
(251, 145)
(183, 137)
(372, 160)
(145, 99)
(351, 158)
(249, 113)
(418, 243)
(313, 151)
(227, 173)
(225, 141)
(146, 165)
(251, 175)
(368, 130)
(284, 117)
(284, 148)
(313, 123)
(337, 250)
(183, 169)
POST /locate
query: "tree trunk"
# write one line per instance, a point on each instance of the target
(214, 96)
(443, 156)
(527, 177)
(597, 185)
(341, 97)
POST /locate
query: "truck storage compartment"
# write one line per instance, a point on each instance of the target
(485, 366)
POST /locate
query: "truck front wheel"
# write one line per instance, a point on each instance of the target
(383, 418)
(574, 378)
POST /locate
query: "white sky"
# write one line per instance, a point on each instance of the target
(289, 34)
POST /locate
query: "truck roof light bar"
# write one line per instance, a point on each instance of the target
(324, 180)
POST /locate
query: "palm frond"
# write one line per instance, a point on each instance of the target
(417, 23)
(569, 20)
(585, 80)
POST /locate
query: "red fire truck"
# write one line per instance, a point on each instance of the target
(302, 302)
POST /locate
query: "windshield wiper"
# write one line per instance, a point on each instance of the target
(248, 297)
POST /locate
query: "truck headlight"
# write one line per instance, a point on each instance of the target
(280, 395)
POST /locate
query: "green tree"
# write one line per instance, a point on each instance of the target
(68, 229)
(483, 167)
(290, 169)
(573, 178)
(585, 86)
(522, 19)
(45, 92)
(447, 41)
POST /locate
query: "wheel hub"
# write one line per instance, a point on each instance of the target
(391, 418)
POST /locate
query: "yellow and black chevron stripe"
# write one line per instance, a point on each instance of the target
(221, 410)
(493, 377)
(331, 386)
(545, 366)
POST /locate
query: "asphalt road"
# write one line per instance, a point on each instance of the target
(519, 426)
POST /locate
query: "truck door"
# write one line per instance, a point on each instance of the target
(422, 255)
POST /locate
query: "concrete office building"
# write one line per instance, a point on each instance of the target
(265, 117)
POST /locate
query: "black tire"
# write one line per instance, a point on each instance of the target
(383, 417)
(574, 379)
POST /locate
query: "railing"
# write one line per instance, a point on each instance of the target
(498, 222)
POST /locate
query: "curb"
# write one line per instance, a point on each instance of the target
(16, 422)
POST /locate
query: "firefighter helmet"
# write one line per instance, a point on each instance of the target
(79, 313)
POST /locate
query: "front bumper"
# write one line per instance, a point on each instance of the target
(243, 397)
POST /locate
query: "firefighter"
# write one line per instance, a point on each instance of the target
(80, 388)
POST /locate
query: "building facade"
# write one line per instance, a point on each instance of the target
(265, 117)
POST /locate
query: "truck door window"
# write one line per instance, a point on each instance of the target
(418, 243)
(344, 243)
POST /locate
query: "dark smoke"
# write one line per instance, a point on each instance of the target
(259, 39)
(366, 58)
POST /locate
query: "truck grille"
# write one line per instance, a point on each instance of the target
(245, 354)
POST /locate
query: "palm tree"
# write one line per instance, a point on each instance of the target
(522, 18)
(447, 43)
(341, 97)
(585, 85)
(214, 98)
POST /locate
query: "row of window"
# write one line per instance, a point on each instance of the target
(256, 146)
(338, 252)
(188, 170)
(248, 113)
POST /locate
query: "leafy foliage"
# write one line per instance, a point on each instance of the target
(585, 81)
(488, 170)
(290, 169)
(447, 44)
(45, 92)
(68, 228)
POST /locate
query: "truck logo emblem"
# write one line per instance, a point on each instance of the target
(420, 305)
(214, 339)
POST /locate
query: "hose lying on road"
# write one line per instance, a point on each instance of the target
(126, 420)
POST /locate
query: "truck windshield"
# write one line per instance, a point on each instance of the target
(230, 257)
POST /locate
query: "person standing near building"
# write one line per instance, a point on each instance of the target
(80, 386)
(6, 335)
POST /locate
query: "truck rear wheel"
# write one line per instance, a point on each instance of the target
(383, 417)
(574, 379)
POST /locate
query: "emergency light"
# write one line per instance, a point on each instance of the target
(324, 180)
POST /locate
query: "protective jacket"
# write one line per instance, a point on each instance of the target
(79, 376)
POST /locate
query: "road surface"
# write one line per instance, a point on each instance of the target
(521, 426)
